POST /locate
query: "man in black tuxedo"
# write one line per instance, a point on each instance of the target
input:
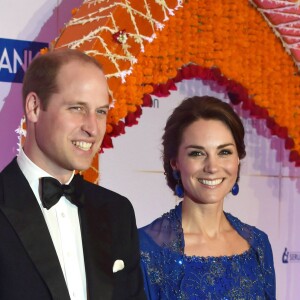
(62, 237)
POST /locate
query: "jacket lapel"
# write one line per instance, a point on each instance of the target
(22, 210)
(97, 242)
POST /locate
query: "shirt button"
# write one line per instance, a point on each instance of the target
(63, 215)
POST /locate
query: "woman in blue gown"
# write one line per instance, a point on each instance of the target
(198, 251)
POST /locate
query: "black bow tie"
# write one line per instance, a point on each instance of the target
(52, 190)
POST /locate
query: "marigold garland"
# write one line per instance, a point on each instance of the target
(233, 37)
(232, 40)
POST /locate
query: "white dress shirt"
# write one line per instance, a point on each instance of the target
(63, 224)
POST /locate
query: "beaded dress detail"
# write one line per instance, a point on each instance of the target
(170, 274)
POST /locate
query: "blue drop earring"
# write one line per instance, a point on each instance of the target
(235, 189)
(178, 188)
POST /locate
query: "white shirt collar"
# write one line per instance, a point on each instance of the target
(33, 173)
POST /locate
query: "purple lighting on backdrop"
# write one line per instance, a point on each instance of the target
(11, 112)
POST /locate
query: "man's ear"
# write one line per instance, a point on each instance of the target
(32, 107)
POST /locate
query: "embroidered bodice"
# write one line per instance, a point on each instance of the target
(170, 274)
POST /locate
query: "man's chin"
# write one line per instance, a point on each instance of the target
(83, 166)
(84, 163)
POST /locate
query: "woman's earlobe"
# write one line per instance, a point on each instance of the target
(173, 164)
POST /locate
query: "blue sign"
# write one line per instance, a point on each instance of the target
(15, 57)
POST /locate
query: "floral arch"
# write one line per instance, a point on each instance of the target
(147, 46)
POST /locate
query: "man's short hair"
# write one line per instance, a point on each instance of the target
(41, 74)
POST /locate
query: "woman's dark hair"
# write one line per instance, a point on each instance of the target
(189, 111)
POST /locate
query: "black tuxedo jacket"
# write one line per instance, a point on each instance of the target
(29, 266)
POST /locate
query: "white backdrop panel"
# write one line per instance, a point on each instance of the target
(269, 186)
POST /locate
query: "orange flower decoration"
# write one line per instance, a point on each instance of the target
(166, 36)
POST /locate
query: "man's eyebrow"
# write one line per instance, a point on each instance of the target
(86, 104)
(105, 106)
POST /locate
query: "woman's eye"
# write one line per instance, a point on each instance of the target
(225, 152)
(195, 153)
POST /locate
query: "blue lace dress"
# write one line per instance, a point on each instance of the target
(170, 274)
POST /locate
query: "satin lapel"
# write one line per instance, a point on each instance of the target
(96, 241)
(24, 214)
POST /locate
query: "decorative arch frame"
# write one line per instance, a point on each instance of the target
(147, 46)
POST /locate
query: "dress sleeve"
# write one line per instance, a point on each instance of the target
(268, 264)
(161, 246)
(261, 244)
(146, 245)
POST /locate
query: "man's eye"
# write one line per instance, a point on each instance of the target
(76, 108)
(102, 111)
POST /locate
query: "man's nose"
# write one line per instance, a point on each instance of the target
(91, 124)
